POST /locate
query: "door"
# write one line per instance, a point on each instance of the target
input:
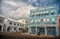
(41, 31)
(0, 28)
(33, 30)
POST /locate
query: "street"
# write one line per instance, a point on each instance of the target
(18, 35)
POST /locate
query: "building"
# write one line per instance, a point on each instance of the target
(14, 26)
(59, 24)
(25, 22)
(10, 25)
(1, 23)
(43, 21)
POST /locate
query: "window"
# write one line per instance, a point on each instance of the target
(20, 28)
(8, 29)
(41, 13)
(1, 21)
(20, 24)
(51, 29)
(38, 14)
(44, 13)
(32, 14)
(53, 19)
(54, 22)
(47, 19)
(52, 12)
(36, 21)
(41, 20)
(47, 13)
(14, 28)
(10, 23)
(32, 21)
(14, 23)
(17, 24)
(44, 20)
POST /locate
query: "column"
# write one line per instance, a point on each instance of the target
(57, 33)
(45, 31)
(2, 28)
(29, 29)
(36, 29)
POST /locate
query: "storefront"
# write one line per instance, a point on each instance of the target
(51, 31)
(40, 30)
(33, 30)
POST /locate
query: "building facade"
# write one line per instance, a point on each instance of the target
(59, 24)
(43, 21)
(10, 25)
(25, 22)
(14, 26)
(1, 23)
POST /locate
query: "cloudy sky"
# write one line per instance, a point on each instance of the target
(18, 9)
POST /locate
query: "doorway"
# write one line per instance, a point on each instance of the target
(0, 28)
(41, 31)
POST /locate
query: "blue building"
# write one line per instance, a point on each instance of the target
(43, 21)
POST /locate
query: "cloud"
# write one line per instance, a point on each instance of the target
(18, 9)
(11, 3)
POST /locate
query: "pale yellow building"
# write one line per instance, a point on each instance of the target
(25, 22)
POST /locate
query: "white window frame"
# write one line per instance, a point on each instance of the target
(32, 21)
(39, 20)
(47, 19)
(36, 21)
(44, 20)
(41, 12)
(53, 19)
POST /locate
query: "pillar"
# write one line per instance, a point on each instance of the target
(45, 31)
(36, 29)
(29, 29)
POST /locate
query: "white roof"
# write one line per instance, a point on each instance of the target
(10, 19)
(41, 8)
(7, 18)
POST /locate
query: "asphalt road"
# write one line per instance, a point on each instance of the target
(18, 35)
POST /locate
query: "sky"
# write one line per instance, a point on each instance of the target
(18, 9)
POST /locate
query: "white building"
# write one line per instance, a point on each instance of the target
(9, 25)
(1, 23)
